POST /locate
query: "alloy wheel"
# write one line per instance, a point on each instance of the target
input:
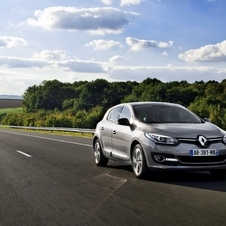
(97, 152)
(139, 164)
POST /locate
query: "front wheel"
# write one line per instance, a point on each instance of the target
(218, 173)
(99, 158)
(139, 164)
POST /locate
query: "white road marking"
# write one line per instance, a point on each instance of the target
(23, 153)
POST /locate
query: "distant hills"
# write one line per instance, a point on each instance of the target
(11, 97)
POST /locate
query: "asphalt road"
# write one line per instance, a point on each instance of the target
(52, 180)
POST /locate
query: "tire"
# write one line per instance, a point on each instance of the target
(218, 173)
(99, 158)
(139, 164)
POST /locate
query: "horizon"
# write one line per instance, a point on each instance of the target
(11, 96)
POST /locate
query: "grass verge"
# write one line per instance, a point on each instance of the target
(11, 110)
(77, 134)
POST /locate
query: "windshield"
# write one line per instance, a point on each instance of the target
(164, 114)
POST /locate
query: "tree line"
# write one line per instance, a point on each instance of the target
(82, 104)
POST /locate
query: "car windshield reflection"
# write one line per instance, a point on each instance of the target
(164, 114)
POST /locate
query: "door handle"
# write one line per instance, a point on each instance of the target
(102, 128)
(114, 132)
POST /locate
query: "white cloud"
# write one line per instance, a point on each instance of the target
(206, 53)
(165, 53)
(51, 55)
(15, 83)
(168, 73)
(134, 14)
(82, 66)
(117, 58)
(130, 2)
(102, 44)
(74, 65)
(95, 20)
(9, 42)
(16, 62)
(108, 2)
(139, 44)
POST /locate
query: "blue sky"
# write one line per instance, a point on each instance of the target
(117, 40)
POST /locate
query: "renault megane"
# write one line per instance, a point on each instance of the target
(157, 135)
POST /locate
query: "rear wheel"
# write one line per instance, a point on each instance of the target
(99, 158)
(139, 164)
(218, 173)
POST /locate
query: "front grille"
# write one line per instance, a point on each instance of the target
(196, 142)
(202, 160)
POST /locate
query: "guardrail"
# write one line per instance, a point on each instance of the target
(62, 129)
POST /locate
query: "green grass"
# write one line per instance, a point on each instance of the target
(11, 110)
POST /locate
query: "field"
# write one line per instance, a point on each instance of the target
(10, 103)
(11, 110)
(10, 106)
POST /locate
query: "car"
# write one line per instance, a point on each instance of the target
(159, 136)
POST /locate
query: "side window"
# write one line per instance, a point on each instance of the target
(114, 114)
(125, 113)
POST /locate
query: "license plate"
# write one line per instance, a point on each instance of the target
(204, 152)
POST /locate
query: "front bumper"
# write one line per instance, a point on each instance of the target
(178, 157)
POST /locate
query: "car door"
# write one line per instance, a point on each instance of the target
(106, 130)
(121, 137)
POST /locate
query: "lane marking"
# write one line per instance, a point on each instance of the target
(23, 153)
(47, 138)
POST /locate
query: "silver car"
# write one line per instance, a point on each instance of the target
(157, 135)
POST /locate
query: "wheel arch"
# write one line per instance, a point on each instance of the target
(95, 138)
(142, 172)
(134, 143)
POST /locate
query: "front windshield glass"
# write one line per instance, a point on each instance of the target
(164, 114)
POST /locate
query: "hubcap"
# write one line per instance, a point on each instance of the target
(137, 161)
(97, 152)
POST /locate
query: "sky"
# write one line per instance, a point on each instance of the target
(116, 40)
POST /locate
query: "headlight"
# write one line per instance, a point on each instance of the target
(224, 139)
(161, 139)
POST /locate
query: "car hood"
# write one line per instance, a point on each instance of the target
(185, 130)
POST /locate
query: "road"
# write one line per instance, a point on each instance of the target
(52, 180)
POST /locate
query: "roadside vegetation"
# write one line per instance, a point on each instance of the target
(82, 104)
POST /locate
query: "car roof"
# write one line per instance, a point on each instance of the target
(149, 103)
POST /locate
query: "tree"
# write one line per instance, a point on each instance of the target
(83, 103)
(93, 94)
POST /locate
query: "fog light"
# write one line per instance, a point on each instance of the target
(159, 158)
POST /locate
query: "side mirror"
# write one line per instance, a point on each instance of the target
(206, 120)
(124, 122)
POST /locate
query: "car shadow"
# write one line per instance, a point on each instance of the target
(123, 167)
(195, 179)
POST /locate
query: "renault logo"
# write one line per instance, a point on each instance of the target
(202, 140)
